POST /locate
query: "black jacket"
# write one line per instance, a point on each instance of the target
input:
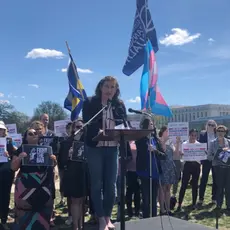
(92, 106)
(142, 160)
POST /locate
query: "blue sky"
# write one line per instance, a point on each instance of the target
(193, 57)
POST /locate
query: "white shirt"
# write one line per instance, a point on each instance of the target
(187, 142)
(210, 137)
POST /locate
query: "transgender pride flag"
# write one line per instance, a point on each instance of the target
(151, 98)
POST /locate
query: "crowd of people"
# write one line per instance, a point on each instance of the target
(89, 170)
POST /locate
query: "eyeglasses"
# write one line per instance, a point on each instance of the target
(31, 134)
(211, 125)
(78, 126)
(220, 131)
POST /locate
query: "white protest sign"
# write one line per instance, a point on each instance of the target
(3, 158)
(17, 139)
(60, 127)
(178, 129)
(12, 129)
(135, 124)
(194, 152)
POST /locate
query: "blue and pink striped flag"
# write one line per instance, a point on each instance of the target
(151, 98)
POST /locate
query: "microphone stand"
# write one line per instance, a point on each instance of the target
(150, 173)
(90, 120)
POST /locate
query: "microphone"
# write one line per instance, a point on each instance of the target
(135, 111)
(140, 112)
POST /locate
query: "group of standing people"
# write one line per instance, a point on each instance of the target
(89, 168)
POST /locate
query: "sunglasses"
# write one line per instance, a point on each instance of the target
(211, 125)
(31, 134)
(78, 126)
(221, 131)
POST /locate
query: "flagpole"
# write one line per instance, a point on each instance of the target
(75, 71)
(150, 138)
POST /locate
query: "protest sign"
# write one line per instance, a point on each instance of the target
(194, 152)
(37, 155)
(3, 158)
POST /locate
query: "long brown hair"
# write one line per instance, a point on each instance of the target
(102, 82)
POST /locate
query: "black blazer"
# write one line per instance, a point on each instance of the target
(142, 163)
(91, 106)
(203, 138)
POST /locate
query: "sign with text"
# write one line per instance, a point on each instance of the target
(3, 157)
(178, 129)
(12, 129)
(78, 151)
(60, 127)
(17, 139)
(37, 155)
(194, 152)
(223, 156)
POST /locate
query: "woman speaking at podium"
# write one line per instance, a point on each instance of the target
(102, 156)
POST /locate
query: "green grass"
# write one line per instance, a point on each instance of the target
(205, 216)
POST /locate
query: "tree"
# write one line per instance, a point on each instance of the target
(9, 115)
(54, 110)
(5, 110)
(20, 119)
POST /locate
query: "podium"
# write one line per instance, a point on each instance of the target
(122, 135)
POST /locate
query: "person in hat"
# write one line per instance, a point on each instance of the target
(6, 176)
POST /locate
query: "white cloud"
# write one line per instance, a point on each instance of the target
(134, 100)
(178, 37)
(211, 40)
(4, 102)
(44, 53)
(84, 70)
(78, 69)
(33, 85)
(1, 94)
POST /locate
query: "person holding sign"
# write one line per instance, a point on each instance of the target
(219, 155)
(33, 196)
(168, 176)
(191, 168)
(6, 174)
(75, 185)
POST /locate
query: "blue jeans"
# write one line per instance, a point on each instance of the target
(103, 165)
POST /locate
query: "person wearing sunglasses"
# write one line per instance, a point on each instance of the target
(33, 195)
(75, 175)
(219, 156)
(191, 168)
(206, 137)
(6, 176)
